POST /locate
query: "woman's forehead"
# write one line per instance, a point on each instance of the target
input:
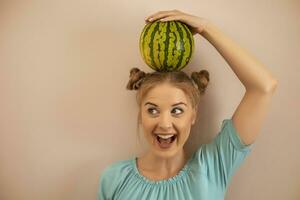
(165, 94)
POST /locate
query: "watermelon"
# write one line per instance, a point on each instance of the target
(166, 46)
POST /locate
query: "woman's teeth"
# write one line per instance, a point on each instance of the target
(165, 136)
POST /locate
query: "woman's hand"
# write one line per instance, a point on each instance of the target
(196, 24)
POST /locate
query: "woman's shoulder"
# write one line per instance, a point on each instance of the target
(112, 175)
(118, 166)
(117, 169)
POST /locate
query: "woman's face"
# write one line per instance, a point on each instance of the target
(166, 110)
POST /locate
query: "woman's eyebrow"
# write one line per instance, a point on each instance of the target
(176, 104)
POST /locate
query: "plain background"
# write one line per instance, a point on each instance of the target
(66, 115)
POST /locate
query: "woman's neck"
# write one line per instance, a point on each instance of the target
(162, 167)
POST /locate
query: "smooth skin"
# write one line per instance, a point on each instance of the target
(165, 110)
(258, 81)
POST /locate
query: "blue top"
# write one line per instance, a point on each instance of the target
(204, 177)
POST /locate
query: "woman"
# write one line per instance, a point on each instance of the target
(168, 103)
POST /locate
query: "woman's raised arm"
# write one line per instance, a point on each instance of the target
(258, 81)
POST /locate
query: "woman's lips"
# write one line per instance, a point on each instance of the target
(165, 133)
(164, 145)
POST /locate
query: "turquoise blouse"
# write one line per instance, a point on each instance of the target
(205, 176)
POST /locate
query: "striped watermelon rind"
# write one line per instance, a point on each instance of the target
(166, 46)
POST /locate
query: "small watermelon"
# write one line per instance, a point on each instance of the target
(166, 46)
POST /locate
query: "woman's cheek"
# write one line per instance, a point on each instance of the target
(148, 125)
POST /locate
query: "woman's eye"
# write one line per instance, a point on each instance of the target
(178, 109)
(175, 110)
(150, 110)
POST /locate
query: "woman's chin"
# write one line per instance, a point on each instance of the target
(165, 153)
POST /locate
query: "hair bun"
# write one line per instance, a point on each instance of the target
(201, 79)
(136, 78)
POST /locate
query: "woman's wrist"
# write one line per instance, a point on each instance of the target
(205, 27)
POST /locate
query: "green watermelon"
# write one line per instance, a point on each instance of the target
(166, 46)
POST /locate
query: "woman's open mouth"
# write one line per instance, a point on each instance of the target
(165, 141)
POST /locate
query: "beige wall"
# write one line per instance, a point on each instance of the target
(65, 113)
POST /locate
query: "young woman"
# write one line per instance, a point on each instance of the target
(168, 103)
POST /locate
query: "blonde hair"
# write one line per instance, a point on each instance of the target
(193, 86)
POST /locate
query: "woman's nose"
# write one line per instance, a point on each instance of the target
(165, 122)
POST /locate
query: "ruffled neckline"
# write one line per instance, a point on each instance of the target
(180, 175)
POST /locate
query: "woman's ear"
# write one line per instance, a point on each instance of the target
(194, 116)
(139, 117)
(193, 122)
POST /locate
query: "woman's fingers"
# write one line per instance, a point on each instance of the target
(195, 23)
(171, 18)
(160, 14)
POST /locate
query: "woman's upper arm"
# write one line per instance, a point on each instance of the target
(250, 114)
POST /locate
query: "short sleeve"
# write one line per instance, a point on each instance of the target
(103, 186)
(225, 154)
(111, 179)
(107, 183)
